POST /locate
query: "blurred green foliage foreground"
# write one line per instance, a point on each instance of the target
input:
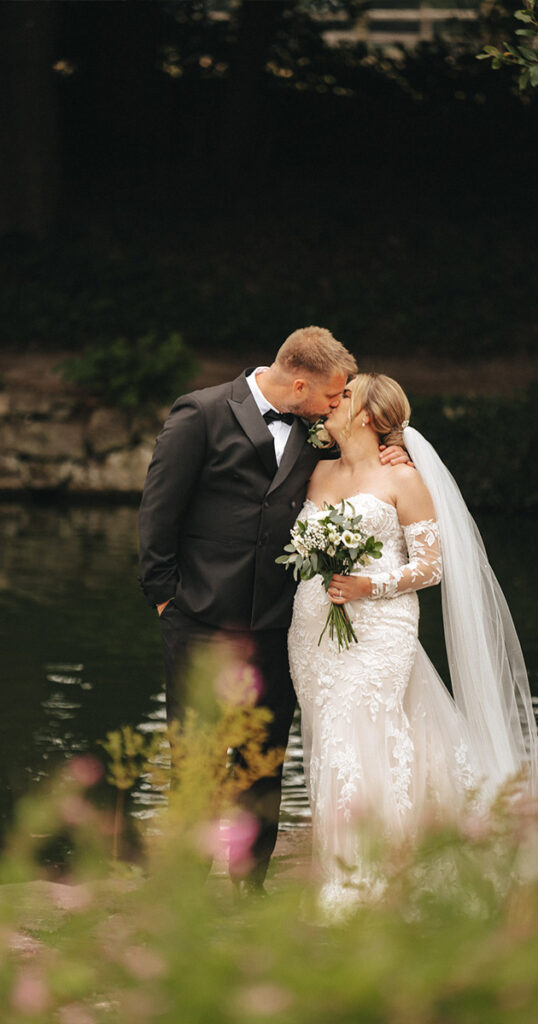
(455, 938)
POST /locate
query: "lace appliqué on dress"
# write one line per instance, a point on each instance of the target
(424, 568)
(368, 735)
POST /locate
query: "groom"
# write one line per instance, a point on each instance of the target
(227, 480)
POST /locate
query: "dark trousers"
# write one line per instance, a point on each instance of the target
(267, 652)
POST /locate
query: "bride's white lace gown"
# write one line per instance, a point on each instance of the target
(383, 739)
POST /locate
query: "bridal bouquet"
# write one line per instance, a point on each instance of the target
(330, 541)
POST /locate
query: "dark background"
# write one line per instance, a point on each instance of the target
(233, 177)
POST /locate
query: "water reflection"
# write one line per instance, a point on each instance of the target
(80, 649)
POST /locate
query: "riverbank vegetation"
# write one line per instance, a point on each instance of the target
(151, 938)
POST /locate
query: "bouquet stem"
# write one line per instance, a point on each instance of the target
(340, 627)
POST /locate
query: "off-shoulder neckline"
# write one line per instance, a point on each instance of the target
(359, 494)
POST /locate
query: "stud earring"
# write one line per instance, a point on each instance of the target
(363, 424)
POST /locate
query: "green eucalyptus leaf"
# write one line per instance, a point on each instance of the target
(528, 54)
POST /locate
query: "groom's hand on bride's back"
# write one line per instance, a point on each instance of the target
(394, 455)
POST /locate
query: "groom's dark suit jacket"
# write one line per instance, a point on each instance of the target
(216, 510)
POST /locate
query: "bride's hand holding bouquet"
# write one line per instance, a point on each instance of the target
(332, 544)
(349, 588)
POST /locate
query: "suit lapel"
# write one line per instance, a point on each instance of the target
(252, 423)
(294, 446)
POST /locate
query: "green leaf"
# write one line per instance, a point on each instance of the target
(523, 16)
(528, 54)
(282, 560)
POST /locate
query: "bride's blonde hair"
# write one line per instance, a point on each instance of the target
(386, 402)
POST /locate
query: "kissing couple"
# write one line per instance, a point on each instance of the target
(384, 741)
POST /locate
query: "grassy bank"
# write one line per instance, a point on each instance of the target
(87, 940)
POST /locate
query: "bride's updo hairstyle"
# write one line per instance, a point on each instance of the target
(385, 401)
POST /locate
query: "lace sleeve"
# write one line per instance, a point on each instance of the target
(424, 568)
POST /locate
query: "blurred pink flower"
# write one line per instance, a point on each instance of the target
(30, 994)
(75, 810)
(86, 769)
(239, 835)
(209, 839)
(73, 897)
(264, 999)
(239, 684)
(233, 837)
(143, 963)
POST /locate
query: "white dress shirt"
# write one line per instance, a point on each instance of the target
(279, 429)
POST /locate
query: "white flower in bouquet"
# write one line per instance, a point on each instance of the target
(331, 541)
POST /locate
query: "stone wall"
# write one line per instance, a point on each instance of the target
(64, 442)
(55, 437)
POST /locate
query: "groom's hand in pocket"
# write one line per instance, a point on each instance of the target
(394, 455)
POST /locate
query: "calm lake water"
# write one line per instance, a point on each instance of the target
(80, 649)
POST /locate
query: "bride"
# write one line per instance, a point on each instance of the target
(384, 741)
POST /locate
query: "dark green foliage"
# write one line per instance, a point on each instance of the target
(487, 443)
(387, 283)
(523, 57)
(383, 198)
(133, 373)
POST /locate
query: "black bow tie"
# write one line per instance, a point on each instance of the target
(274, 417)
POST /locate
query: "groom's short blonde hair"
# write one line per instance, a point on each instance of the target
(315, 350)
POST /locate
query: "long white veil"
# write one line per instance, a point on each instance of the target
(487, 670)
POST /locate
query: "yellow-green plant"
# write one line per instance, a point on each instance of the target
(454, 937)
(129, 753)
(523, 56)
(209, 758)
